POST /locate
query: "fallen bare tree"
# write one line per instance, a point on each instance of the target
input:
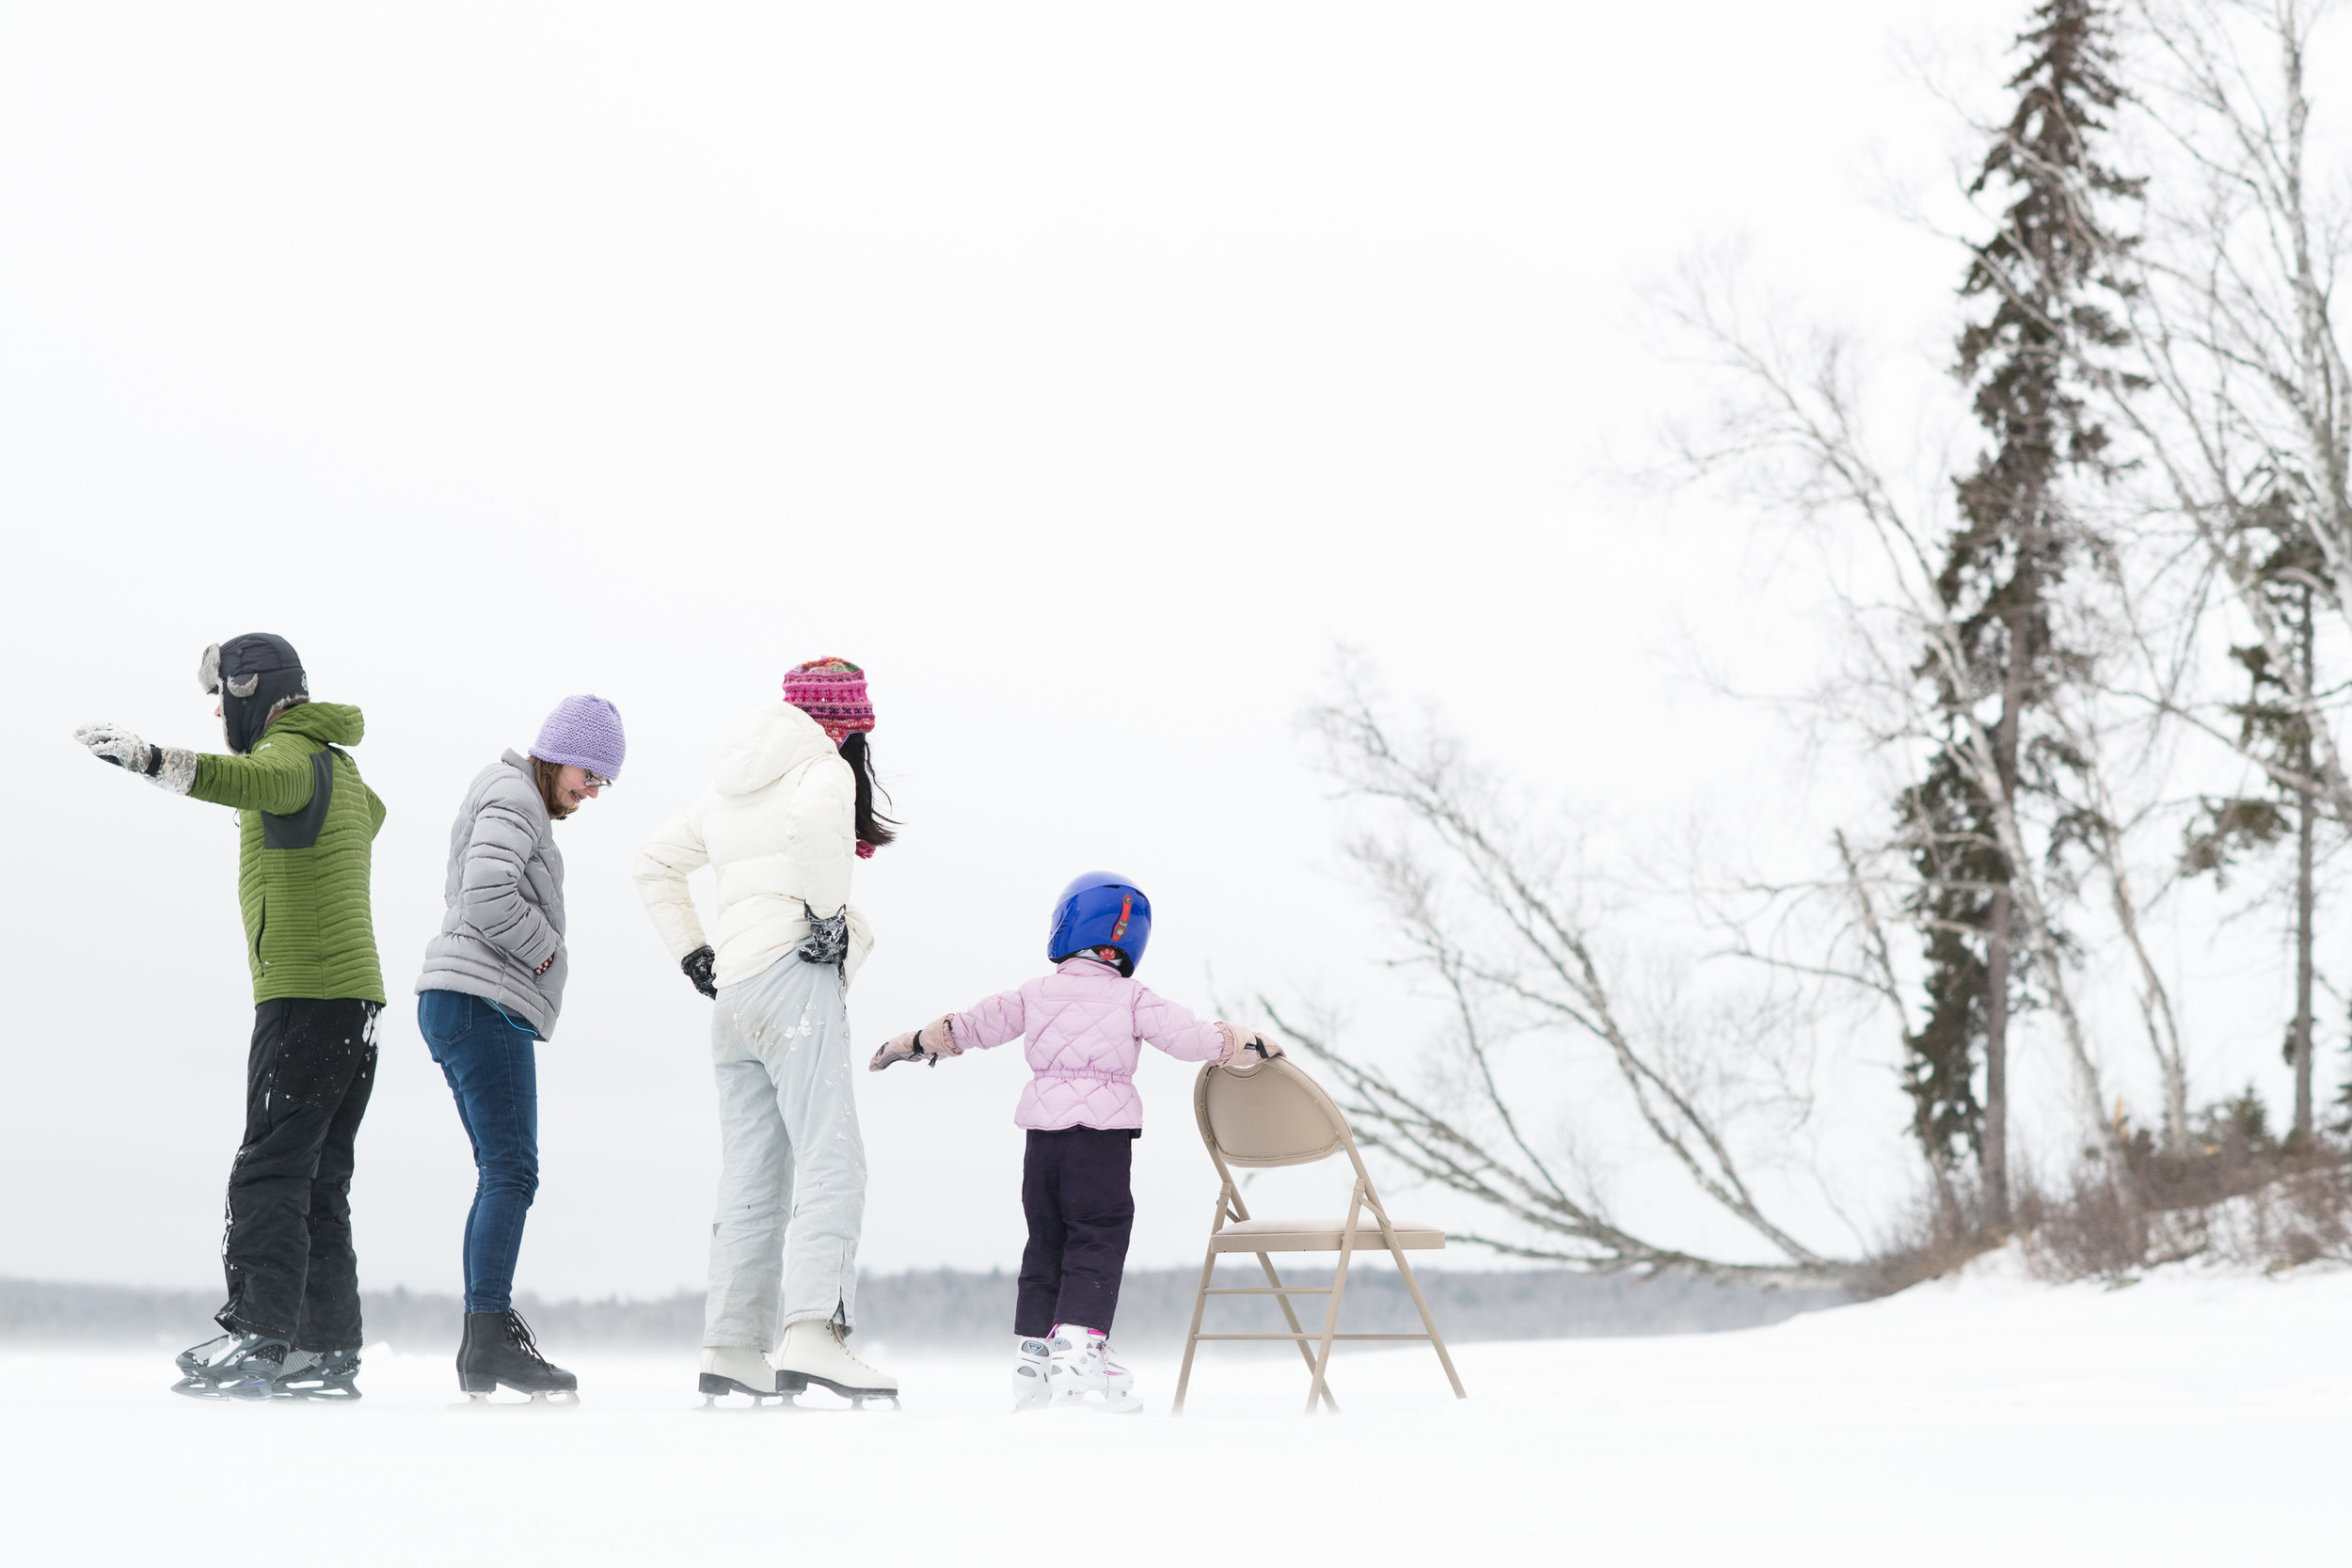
(1493, 909)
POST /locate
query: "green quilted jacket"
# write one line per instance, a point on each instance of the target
(306, 828)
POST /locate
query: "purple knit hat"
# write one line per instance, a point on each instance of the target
(586, 731)
(833, 692)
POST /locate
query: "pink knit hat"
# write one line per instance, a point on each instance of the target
(833, 692)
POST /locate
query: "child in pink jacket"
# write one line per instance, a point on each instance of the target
(1086, 1023)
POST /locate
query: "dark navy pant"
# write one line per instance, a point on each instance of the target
(1073, 1188)
(291, 1271)
(492, 1066)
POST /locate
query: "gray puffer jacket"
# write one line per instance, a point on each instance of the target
(505, 900)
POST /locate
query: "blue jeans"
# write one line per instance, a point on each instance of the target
(493, 1071)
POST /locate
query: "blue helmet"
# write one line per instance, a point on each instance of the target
(1101, 908)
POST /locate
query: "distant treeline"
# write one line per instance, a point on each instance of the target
(958, 1309)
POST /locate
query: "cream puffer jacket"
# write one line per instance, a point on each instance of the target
(779, 830)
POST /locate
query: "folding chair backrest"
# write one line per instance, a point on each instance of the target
(1270, 1113)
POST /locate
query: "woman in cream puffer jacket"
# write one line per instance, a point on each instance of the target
(790, 814)
(779, 829)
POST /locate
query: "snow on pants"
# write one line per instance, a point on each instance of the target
(288, 1255)
(792, 1167)
(1075, 1191)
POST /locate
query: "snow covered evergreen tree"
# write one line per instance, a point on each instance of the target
(2045, 280)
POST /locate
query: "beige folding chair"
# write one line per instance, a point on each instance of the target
(1272, 1113)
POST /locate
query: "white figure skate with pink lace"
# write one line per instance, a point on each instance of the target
(1032, 1370)
(1083, 1374)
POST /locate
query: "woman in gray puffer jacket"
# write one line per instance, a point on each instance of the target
(492, 985)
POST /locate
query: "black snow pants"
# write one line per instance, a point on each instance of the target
(291, 1271)
(1073, 1188)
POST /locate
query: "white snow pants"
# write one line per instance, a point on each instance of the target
(792, 1172)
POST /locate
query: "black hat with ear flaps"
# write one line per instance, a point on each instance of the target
(253, 674)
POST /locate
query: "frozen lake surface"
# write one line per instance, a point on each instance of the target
(1984, 1419)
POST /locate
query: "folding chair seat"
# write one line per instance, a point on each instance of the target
(1327, 1234)
(1270, 1113)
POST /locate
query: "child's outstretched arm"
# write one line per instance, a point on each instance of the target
(991, 1023)
(930, 1042)
(1176, 1031)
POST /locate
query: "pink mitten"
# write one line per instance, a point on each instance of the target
(1244, 1047)
(930, 1043)
(937, 1038)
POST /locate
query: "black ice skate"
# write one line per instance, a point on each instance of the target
(319, 1375)
(233, 1367)
(499, 1349)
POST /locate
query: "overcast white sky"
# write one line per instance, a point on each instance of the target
(1086, 373)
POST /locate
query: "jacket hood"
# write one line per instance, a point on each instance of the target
(766, 744)
(251, 675)
(329, 724)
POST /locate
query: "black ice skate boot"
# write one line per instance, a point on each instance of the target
(319, 1375)
(498, 1348)
(234, 1366)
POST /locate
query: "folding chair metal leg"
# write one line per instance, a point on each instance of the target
(1297, 1328)
(1420, 1304)
(1427, 1322)
(1338, 1287)
(1192, 1334)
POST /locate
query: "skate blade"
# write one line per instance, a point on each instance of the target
(714, 1388)
(858, 1398)
(198, 1389)
(547, 1399)
(322, 1393)
(1098, 1404)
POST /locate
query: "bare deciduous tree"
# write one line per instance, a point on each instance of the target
(2248, 420)
(1495, 910)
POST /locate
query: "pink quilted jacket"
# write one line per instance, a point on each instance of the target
(1087, 1025)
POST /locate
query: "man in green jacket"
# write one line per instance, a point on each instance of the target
(307, 826)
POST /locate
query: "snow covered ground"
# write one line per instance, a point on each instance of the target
(2191, 1417)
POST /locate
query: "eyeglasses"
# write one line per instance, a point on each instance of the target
(596, 780)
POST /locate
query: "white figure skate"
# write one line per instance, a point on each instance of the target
(1033, 1360)
(813, 1352)
(740, 1369)
(1085, 1374)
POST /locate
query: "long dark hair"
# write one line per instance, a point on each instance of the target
(873, 826)
(549, 775)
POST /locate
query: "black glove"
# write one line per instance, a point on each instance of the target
(700, 965)
(828, 939)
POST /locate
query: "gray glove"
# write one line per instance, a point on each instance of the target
(166, 766)
(702, 967)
